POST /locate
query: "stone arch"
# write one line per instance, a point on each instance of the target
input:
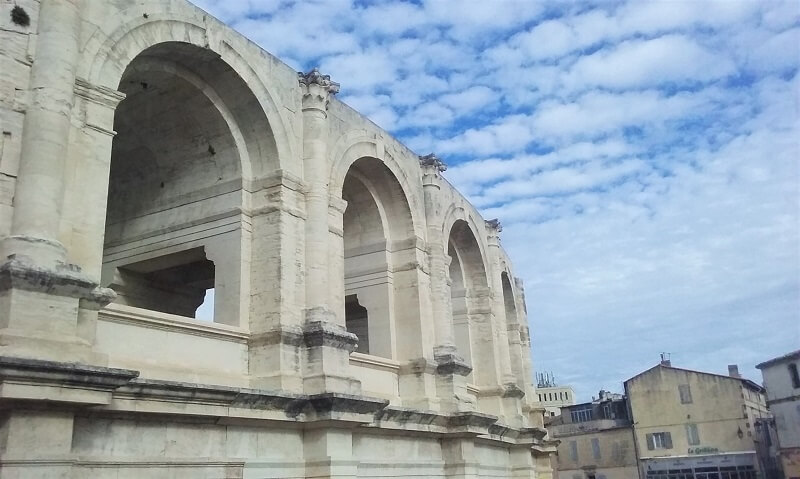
(509, 300)
(187, 133)
(357, 144)
(472, 308)
(105, 59)
(377, 234)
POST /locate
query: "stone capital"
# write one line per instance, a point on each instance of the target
(494, 226)
(432, 162)
(317, 89)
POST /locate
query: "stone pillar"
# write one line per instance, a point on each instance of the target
(32, 439)
(272, 252)
(45, 137)
(460, 460)
(451, 369)
(432, 167)
(512, 394)
(493, 230)
(329, 452)
(317, 89)
(329, 345)
(40, 291)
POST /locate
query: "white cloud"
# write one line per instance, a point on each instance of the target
(642, 64)
(641, 155)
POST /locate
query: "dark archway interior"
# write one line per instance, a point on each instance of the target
(185, 134)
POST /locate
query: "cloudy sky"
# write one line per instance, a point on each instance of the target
(642, 157)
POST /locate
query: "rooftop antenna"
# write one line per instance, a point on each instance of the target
(665, 359)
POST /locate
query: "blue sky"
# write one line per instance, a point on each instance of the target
(643, 157)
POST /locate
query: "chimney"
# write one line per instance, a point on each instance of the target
(733, 371)
(665, 360)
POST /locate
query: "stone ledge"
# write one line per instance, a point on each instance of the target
(513, 391)
(67, 374)
(66, 280)
(452, 364)
(125, 389)
(327, 406)
(40, 380)
(325, 333)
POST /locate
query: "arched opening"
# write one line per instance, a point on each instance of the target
(186, 133)
(514, 328)
(458, 303)
(470, 302)
(376, 224)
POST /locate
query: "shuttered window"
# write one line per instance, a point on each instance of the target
(686, 393)
(573, 451)
(691, 434)
(596, 448)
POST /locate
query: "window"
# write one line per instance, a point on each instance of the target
(607, 411)
(686, 394)
(357, 321)
(659, 440)
(795, 376)
(540, 398)
(596, 448)
(691, 435)
(573, 451)
(581, 415)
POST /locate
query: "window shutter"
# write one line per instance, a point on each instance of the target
(668, 440)
(649, 438)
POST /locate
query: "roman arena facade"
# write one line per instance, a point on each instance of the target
(366, 320)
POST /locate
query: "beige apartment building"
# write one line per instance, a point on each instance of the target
(692, 424)
(595, 440)
(782, 380)
(367, 321)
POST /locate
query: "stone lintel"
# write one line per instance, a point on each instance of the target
(19, 272)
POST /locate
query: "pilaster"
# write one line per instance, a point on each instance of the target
(276, 215)
(328, 343)
(512, 394)
(451, 370)
(40, 291)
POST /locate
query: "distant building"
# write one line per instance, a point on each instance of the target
(596, 440)
(782, 380)
(695, 425)
(551, 396)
